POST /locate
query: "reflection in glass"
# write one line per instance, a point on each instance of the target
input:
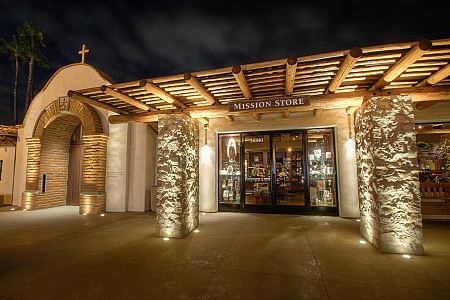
(322, 176)
(229, 169)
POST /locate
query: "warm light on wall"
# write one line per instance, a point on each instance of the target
(206, 134)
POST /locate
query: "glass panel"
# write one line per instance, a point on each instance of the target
(257, 170)
(290, 180)
(322, 170)
(229, 169)
(433, 151)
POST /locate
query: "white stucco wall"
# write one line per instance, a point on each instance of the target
(6, 182)
(345, 151)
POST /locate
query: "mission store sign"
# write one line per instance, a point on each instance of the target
(270, 103)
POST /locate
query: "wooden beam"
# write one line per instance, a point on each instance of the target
(326, 101)
(160, 93)
(432, 131)
(204, 121)
(125, 98)
(347, 65)
(425, 104)
(436, 77)
(291, 68)
(193, 81)
(87, 100)
(351, 109)
(285, 114)
(229, 118)
(318, 112)
(408, 59)
(242, 82)
(257, 116)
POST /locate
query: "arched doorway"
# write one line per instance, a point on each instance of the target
(48, 160)
(75, 171)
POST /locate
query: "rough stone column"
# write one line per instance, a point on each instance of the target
(388, 175)
(178, 163)
(93, 195)
(32, 176)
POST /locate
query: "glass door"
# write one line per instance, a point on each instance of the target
(290, 180)
(257, 173)
(322, 171)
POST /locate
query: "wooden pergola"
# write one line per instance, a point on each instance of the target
(341, 79)
(8, 135)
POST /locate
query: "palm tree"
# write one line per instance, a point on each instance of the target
(15, 50)
(34, 40)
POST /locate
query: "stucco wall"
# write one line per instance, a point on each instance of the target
(6, 182)
(345, 151)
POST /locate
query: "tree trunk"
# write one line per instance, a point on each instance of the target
(29, 96)
(16, 79)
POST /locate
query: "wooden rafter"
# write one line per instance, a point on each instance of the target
(193, 81)
(87, 100)
(351, 109)
(326, 101)
(160, 93)
(257, 116)
(229, 118)
(408, 59)
(318, 112)
(436, 77)
(125, 98)
(242, 82)
(425, 104)
(291, 68)
(347, 65)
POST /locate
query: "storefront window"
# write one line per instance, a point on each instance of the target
(322, 176)
(229, 169)
(433, 149)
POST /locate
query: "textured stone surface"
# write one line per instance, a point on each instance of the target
(178, 163)
(388, 175)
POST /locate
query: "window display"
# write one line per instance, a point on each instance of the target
(322, 177)
(229, 169)
(433, 156)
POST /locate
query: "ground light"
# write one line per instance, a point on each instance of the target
(358, 220)
(13, 208)
(407, 256)
(196, 230)
(102, 215)
(362, 242)
(166, 239)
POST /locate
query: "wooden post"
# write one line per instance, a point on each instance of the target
(318, 112)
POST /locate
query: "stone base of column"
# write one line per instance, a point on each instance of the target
(92, 204)
(29, 200)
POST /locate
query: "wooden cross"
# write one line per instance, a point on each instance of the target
(83, 52)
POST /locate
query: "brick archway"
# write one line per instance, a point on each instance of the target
(48, 157)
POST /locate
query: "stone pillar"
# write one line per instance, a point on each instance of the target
(32, 175)
(177, 172)
(93, 195)
(388, 175)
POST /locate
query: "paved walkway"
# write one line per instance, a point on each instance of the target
(58, 254)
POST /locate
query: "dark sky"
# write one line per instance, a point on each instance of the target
(131, 40)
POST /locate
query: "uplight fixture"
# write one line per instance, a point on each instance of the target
(196, 230)
(166, 239)
(362, 242)
(407, 256)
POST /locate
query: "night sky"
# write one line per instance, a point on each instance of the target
(131, 40)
